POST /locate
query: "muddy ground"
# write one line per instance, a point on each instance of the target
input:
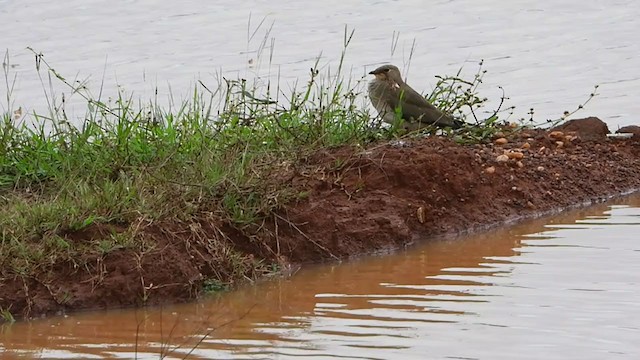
(352, 201)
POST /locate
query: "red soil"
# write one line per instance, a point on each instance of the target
(356, 201)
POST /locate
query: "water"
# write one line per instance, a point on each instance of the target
(557, 288)
(547, 54)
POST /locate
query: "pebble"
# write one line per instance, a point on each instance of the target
(557, 135)
(540, 168)
(501, 141)
(490, 170)
(399, 143)
(514, 155)
(526, 145)
(420, 213)
(502, 158)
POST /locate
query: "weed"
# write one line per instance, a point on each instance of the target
(7, 316)
(211, 286)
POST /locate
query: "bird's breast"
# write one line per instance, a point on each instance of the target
(379, 92)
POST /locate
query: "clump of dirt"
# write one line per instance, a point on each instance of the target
(350, 201)
(631, 129)
(590, 128)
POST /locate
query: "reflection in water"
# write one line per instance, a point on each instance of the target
(556, 288)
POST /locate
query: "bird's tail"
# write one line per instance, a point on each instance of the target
(457, 124)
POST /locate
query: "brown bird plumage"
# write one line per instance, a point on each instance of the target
(389, 92)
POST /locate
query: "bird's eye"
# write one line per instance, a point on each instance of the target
(386, 70)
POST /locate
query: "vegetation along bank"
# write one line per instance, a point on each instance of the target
(140, 205)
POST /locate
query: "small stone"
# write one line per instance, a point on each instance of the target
(499, 134)
(420, 213)
(520, 164)
(502, 158)
(399, 143)
(557, 135)
(559, 144)
(490, 170)
(540, 168)
(530, 205)
(514, 155)
(501, 141)
(526, 145)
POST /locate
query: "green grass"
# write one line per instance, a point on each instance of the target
(126, 162)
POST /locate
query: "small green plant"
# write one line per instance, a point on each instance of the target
(566, 114)
(211, 286)
(82, 223)
(7, 316)
(302, 195)
(460, 97)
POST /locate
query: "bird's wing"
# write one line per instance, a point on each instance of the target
(414, 107)
(427, 115)
(411, 96)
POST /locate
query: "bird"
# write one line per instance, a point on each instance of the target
(389, 92)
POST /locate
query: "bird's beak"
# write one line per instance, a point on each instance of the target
(372, 72)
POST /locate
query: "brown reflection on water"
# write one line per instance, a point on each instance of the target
(374, 303)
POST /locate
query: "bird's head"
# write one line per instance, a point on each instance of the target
(387, 72)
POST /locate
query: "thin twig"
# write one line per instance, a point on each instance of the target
(306, 237)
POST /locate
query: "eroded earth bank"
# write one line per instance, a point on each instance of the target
(351, 201)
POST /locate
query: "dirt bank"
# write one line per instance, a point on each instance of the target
(349, 201)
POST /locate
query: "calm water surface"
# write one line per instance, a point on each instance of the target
(547, 54)
(566, 287)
